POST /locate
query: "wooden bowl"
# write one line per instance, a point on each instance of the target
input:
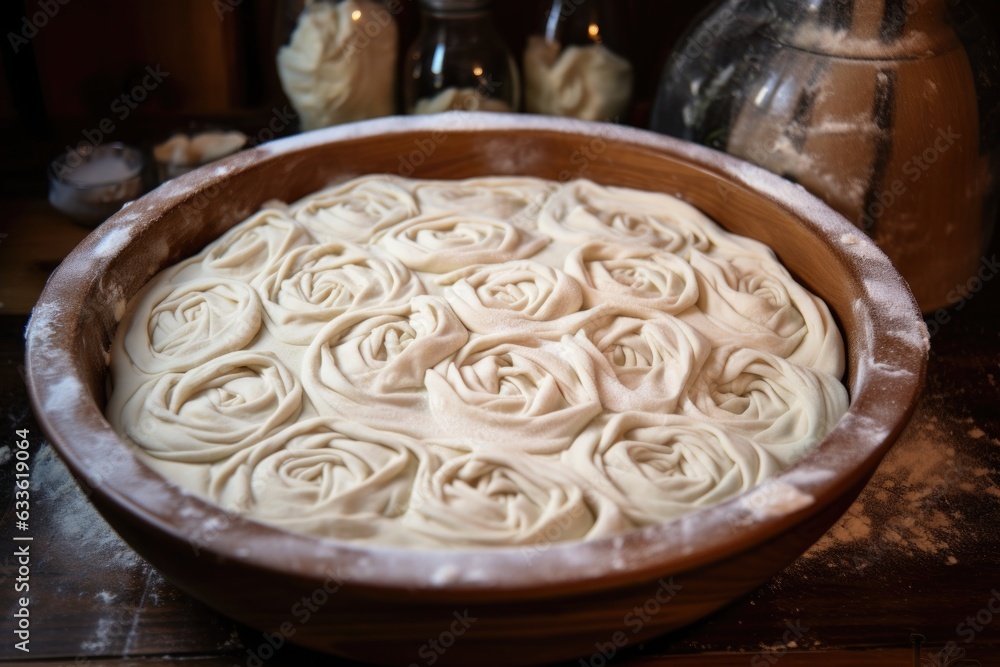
(486, 607)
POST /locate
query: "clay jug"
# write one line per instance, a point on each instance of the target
(886, 109)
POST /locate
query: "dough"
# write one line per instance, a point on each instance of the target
(459, 99)
(483, 363)
(589, 82)
(340, 64)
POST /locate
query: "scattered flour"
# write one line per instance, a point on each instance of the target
(74, 518)
(907, 510)
(78, 525)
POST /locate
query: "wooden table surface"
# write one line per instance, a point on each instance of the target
(913, 566)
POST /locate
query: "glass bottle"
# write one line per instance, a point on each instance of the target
(887, 110)
(338, 63)
(575, 65)
(459, 61)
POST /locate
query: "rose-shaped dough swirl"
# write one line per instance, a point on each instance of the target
(491, 498)
(642, 364)
(190, 324)
(522, 295)
(355, 210)
(585, 211)
(322, 476)
(439, 243)
(633, 278)
(246, 250)
(657, 467)
(215, 410)
(514, 199)
(755, 302)
(369, 365)
(315, 284)
(767, 399)
(514, 392)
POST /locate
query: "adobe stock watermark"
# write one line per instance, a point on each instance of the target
(432, 650)
(581, 158)
(949, 657)
(380, 18)
(210, 529)
(424, 148)
(281, 119)
(121, 108)
(953, 653)
(915, 168)
(960, 295)
(555, 531)
(709, 32)
(302, 611)
(772, 498)
(30, 25)
(568, 7)
(635, 620)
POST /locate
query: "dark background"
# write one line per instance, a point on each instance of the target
(864, 594)
(220, 56)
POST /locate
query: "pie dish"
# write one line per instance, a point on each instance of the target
(536, 605)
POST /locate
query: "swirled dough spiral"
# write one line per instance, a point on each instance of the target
(484, 363)
(767, 398)
(439, 243)
(516, 200)
(322, 474)
(633, 277)
(356, 211)
(504, 499)
(315, 284)
(246, 250)
(754, 302)
(522, 295)
(214, 410)
(188, 325)
(655, 466)
(526, 395)
(641, 364)
(584, 211)
(370, 365)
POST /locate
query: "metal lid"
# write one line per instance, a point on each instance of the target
(457, 6)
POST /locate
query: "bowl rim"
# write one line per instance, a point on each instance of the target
(893, 328)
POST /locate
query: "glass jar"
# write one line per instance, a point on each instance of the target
(575, 64)
(459, 61)
(338, 63)
(887, 111)
(92, 185)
